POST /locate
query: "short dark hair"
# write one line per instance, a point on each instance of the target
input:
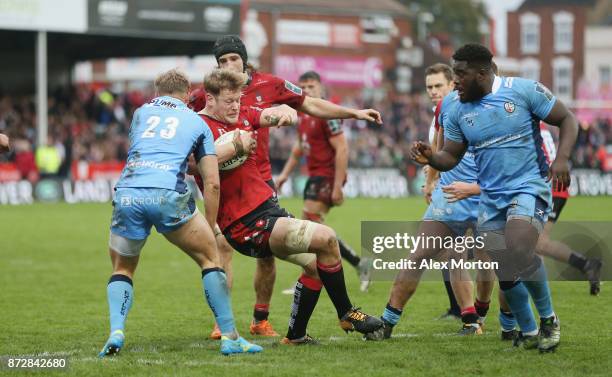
(474, 54)
(310, 75)
(440, 68)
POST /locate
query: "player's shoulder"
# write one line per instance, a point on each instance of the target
(212, 123)
(450, 101)
(264, 79)
(517, 84)
(190, 115)
(526, 87)
(275, 82)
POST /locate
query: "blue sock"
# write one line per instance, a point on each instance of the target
(507, 321)
(217, 296)
(120, 294)
(517, 297)
(391, 315)
(537, 285)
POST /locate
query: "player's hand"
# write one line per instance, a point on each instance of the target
(4, 143)
(280, 181)
(421, 152)
(457, 191)
(428, 189)
(559, 173)
(281, 116)
(370, 115)
(244, 142)
(337, 196)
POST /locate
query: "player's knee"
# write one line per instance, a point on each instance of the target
(327, 242)
(310, 270)
(223, 246)
(543, 245)
(266, 265)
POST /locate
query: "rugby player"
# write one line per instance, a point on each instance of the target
(438, 83)
(152, 191)
(442, 219)
(591, 267)
(265, 90)
(254, 224)
(499, 118)
(326, 150)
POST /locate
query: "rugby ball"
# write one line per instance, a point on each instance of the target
(234, 162)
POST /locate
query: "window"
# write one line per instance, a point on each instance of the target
(604, 75)
(564, 31)
(530, 69)
(563, 77)
(530, 33)
(378, 29)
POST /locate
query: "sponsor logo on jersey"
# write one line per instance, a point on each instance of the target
(293, 88)
(469, 118)
(335, 126)
(544, 91)
(509, 107)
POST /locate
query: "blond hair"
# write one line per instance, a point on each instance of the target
(220, 79)
(171, 82)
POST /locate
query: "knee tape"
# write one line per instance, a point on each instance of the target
(299, 235)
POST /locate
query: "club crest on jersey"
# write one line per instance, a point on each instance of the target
(246, 123)
(509, 107)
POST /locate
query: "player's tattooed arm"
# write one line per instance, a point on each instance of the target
(279, 116)
(443, 160)
(242, 143)
(561, 117)
(324, 109)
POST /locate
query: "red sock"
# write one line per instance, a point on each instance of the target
(469, 315)
(261, 312)
(482, 308)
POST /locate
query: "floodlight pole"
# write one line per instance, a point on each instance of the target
(41, 88)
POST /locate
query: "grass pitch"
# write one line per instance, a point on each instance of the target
(55, 266)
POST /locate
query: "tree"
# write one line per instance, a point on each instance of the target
(459, 19)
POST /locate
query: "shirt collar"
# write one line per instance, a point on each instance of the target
(496, 84)
(175, 101)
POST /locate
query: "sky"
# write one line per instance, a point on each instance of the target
(497, 10)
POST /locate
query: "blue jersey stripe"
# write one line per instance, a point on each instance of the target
(537, 140)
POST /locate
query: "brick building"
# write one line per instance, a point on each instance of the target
(546, 37)
(353, 43)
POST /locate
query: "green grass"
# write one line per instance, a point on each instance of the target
(55, 265)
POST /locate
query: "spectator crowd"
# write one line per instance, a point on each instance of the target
(91, 124)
